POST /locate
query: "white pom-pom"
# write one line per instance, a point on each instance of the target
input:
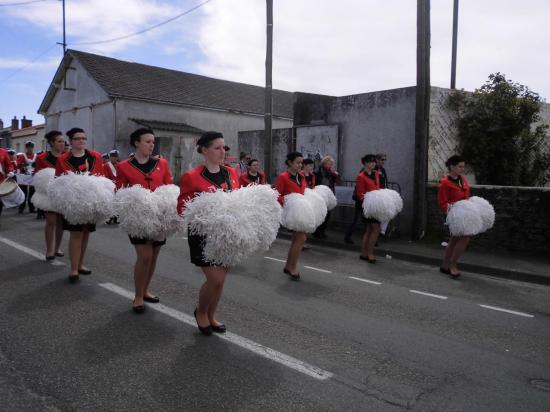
(298, 214)
(396, 197)
(42, 180)
(486, 212)
(464, 219)
(318, 205)
(137, 211)
(327, 195)
(380, 205)
(236, 224)
(82, 198)
(166, 198)
(42, 201)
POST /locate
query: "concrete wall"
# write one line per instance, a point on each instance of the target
(522, 219)
(370, 123)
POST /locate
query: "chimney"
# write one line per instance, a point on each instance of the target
(25, 122)
(14, 123)
(1, 124)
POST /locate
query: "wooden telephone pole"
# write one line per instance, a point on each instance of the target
(455, 34)
(422, 118)
(268, 117)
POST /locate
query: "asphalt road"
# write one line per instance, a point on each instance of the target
(348, 336)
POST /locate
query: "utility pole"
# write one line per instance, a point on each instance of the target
(268, 117)
(455, 34)
(64, 44)
(422, 117)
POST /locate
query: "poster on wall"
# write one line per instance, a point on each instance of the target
(316, 142)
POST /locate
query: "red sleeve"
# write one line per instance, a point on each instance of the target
(39, 164)
(59, 169)
(360, 188)
(243, 180)
(168, 179)
(121, 178)
(187, 191)
(466, 188)
(280, 185)
(7, 164)
(20, 159)
(443, 195)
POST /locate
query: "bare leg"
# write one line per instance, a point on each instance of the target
(75, 251)
(460, 248)
(365, 241)
(49, 229)
(298, 240)
(58, 233)
(449, 252)
(142, 267)
(152, 265)
(84, 245)
(372, 238)
(210, 294)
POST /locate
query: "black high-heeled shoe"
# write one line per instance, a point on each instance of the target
(373, 261)
(219, 329)
(74, 278)
(206, 330)
(151, 299)
(52, 257)
(293, 276)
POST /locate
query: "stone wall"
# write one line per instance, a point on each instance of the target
(522, 219)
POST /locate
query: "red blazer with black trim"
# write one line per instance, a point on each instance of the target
(194, 182)
(245, 181)
(285, 185)
(6, 164)
(364, 184)
(313, 181)
(63, 166)
(130, 175)
(109, 172)
(43, 162)
(449, 192)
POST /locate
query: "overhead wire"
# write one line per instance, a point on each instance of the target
(28, 63)
(22, 3)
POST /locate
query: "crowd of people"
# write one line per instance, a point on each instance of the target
(151, 171)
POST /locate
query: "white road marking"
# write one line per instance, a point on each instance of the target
(240, 341)
(419, 292)
(320, 270)
(513, 312)
(276, 260)
(184, 237)
(29, 251)
(366, 280)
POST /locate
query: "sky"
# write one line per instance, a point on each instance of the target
(320, 46)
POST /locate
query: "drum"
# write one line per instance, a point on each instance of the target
(10, 193)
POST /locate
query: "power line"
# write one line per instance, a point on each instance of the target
(162, 23)
(9, 76)
(22, 3)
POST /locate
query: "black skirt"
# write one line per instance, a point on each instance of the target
(196, 249)
(143, 241)
(78, 228)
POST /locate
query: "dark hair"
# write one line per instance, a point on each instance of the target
(252, 161)
(50, 136)
(206, 140)
(292, 156)
(29, 144)
(226, 148)
(136, 135)
(368, 158)
(74, 131)
(308, 161)
(242, 155)
(454, 160)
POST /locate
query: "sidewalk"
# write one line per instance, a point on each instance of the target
(498, 264)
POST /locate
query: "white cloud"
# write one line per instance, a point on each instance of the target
(6, 63)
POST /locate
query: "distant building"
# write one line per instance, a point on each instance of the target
(29, 133)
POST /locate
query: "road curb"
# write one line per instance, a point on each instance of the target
(485, 270)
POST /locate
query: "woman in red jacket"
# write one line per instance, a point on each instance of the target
(292, 181)
(149, 172)
(253, 175)
(208, 177)
(367, 181)
(452, 188)
(78, 160)
(54, 221)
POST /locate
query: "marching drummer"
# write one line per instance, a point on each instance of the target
(7, 170)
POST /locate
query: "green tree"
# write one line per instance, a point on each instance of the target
(498, 134)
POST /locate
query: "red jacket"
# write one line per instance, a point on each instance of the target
(449, 192)
(194, 182)
(285, 185)
(108, 171)
(44, 161)
(63, 166)
(245, 181)
(6, 164)
(365, 184)
(313, 181)
(130, 175)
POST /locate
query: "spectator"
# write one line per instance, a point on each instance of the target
(307, 170)
(328, 177)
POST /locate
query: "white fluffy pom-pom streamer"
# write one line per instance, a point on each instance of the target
(325, 192)
(166, 198)
(236, 224)
(137, 211)
(42, 201)
(396, 197)
(486, 212)
(42, 180)
(318, 205)
(380, 205)
(298, 214)
(464, 219)
(82, 198)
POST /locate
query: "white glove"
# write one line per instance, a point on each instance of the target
(11, 175)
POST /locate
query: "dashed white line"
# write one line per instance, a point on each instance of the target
(29, 251)
(372, 282)
(244, 343)
(275, 259)
(513, 312)
(433, 295)
(317, 269)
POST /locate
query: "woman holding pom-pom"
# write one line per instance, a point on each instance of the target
(453, 188)
(368, 180)
(53, 230)
(292, 181)
(150, 173)
(78, 160)
(208, 177)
